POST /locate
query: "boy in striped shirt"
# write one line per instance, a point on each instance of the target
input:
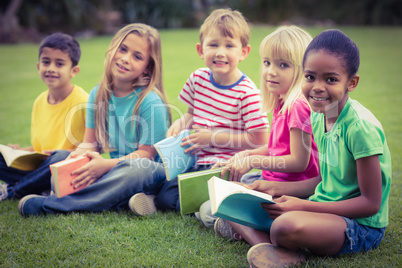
(223, 104)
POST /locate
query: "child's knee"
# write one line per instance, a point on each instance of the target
(286, 226)
(139, 167)
(205, 208)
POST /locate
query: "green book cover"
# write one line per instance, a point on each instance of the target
(193, 189)
(236, 203)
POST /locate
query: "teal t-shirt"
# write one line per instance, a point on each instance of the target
(152, 121)
(356, 134)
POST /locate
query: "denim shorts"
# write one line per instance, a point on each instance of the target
(360, 237)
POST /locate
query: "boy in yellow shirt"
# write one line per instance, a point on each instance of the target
(58, 117)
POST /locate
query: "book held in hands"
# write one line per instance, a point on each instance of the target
(234, 202)
(21, 159)
(61, 175)
(175, 161)
(193, 188)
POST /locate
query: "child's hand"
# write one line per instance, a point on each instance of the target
(198, 140)
(14, 146)
(269, 187)
(174, 129)
(48, 152)
(91, 171)
(283, 204)
(184, 122)
(261, 186)
(220, 164)
(238, 165)
(73, 154)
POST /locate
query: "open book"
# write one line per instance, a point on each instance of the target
(234, 202)
(173, 157)
(21, 159)
(193, 188)
(61, 175)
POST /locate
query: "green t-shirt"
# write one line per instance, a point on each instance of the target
(356, 134)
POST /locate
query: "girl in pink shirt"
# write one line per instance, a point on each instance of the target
(287, 158)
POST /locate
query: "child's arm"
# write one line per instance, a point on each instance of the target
(17, 147)
(88, 173)
(184, 122)
(300, 189)
(366, 204)
(98, 166)
(92, 171)
(206, 138)
(296, 161)
(239, 156)
(89, 143)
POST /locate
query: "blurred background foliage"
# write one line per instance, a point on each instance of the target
(29, 20)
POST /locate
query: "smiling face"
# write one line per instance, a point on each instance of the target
(326, 83)
(222, 55)
(278, 75)
(55, 69)
(130, 61)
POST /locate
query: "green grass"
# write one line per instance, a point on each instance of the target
(119, 239)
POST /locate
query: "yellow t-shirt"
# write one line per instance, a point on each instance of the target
(59, 126)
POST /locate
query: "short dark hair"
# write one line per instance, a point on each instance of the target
(338, 44)
(65, 43)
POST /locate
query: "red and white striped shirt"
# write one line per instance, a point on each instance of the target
(235, 108)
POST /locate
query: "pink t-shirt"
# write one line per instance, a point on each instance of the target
(279, 140)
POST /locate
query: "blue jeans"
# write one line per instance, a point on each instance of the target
(21, 183)
(168, 196)
(113, 190)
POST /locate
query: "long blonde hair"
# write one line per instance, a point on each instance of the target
(289, 44)
(151, 80)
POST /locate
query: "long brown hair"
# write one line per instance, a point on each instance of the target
(151, 80)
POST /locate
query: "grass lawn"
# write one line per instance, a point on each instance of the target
(119, 239)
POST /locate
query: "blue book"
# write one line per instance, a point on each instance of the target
(175, 161)
(234, 202)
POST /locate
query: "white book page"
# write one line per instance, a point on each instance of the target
(9, 154)
(224, 188)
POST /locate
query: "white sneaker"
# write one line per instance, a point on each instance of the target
(142, 204)
(222, 228)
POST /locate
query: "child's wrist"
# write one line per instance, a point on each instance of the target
(255, 161)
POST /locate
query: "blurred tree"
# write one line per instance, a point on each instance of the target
(342, 12)
(159, 13)
(63, 15)
(9, 22)
(20, 19)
